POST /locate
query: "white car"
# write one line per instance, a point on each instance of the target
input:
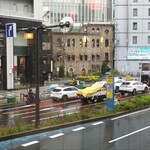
(63, 93)
(117, 82)
(133, 87)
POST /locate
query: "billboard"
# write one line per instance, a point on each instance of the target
(138, 53)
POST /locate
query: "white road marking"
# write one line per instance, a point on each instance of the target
(56, 135)
(129, 134)
(130, 114)
(78, 129)
(30, 143)
(15, 108)
(97, 123)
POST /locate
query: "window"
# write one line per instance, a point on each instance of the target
(135, 1)
(85, 57)
(81, 42)
(59, 43)
(134, 40)
(73, 57)
(149, 12)
(148, 40)
(148, 25)
(93, 43)
(134, 25)
(73, 42)
(135, 12)
(106, 57)
(68, 57)
(106, 43)
(81, 57)
(97, 42)
(93, 57)
(93, 29)
(68, 42)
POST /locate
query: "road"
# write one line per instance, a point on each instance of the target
(127, 132)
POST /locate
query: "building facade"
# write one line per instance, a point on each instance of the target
(25, 14)
(132, 36)
(84, 49)
(80, 10)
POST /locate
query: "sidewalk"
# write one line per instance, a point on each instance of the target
(18, 94)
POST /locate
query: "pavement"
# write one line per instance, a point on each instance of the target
(18, 94)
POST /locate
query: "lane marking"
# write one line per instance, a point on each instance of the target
(129, 134)
(130, 114)
(30, 143)
(97, 123)
(78, 129)
(15, 108)
(56, 135)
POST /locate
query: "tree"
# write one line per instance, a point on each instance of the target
(61, 72)
(105, 68)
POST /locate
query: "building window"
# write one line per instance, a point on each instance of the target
(93, 57)
(97, 30)
(93, 29)
(81, 42)
(134, 40)
(135, 12)
(106, 57)
(134, 25)
(59, 44)
(106, 43)
(73, 57)
(85, 57)
(148, 25)
(148, 39)
(81, 57)
(135, 1)
(93, 43)
(149, 12)
(68, 57)
(68, 42)
(73, 42)
(97, 42)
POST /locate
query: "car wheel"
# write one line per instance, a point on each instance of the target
(94, 99)
(64, 98)
(117, 89)
(134, 92)
(145, 90)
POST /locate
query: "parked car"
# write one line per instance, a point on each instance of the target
(133, 87)
(63, 93)
(117, 82)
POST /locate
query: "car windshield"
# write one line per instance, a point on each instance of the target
(56, 90)
(126, 83)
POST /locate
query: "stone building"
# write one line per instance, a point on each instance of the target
(84, 49)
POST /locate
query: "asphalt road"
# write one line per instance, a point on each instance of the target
(128, 132)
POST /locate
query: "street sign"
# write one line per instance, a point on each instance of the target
(110, 93)
(10, 29)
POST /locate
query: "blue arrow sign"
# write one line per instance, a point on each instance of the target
(10, 29)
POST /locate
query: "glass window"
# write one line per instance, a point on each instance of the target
(93, 43)
(135, 12)
(73, 42)
(148, 25)
(134, 40)
(134, 25)
(149, 12)
(68, 42)
(106, 43)
(148, 39)
(135, 1)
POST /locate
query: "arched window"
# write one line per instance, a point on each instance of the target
(106, 43)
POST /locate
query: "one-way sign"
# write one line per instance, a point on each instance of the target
(10, 29)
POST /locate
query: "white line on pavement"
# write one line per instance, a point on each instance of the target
(130, 114)
(129, 134)
(30, 143)
(97, 123)
(77, 129)
(56, 135)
